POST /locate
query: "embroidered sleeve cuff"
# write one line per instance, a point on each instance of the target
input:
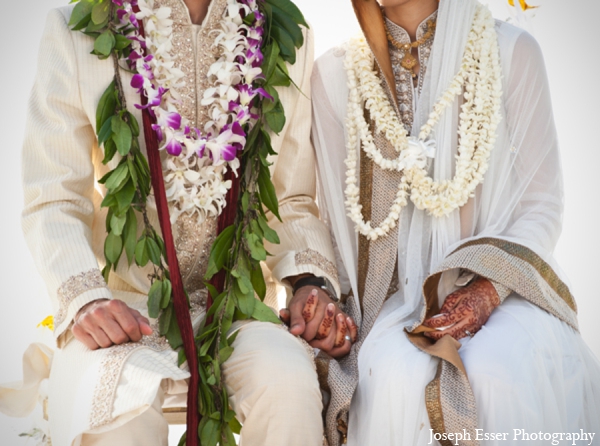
(308, 261)
(510, 267)
(73, 294)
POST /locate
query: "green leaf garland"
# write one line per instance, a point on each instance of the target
(239, 248)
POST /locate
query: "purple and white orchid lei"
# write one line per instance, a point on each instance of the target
(198, 158)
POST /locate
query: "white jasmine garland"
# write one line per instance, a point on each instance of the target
(198, 158)
(478, 79)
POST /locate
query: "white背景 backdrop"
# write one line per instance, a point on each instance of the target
(567, 32)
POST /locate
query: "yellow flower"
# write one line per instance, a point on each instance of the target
(524, 5)
(48, 323)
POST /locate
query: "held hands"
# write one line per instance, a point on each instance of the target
(103, 323)
(313, 315)
(465, 311)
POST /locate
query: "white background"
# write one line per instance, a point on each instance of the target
(568, 32)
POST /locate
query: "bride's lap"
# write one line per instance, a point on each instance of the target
(528, 370)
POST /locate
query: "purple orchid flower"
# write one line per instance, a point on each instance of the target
(173, 147)
(137, 82)
(158, 130)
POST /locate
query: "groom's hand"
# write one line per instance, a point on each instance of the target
(314, 316)
(103, 323)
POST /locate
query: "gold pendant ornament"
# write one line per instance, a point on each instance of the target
(409, 62)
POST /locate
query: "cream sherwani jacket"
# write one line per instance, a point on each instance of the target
(64, 223)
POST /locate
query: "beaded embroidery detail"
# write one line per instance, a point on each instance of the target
(312, 257)
(193, 248)
(403, 77)
(74, 287)
(116, 357)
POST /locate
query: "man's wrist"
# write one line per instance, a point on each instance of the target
(89, 304)
(318, 282)
(293, 279)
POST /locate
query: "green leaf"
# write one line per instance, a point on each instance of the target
(80, 11)
(105, 43)
(269, 234)
(267, 104)
(113, 246)
(249, 19)
(258, 282)
(135, 126)
(286, 44)
(181, 358)
(228, 434)
(115, 178)
(125, 196)
(220, 251)
(276, 118)
(117, 223)
(224, 354)
(100, 12)
(174, 335)
(141, 252)
(257, 250)
(280, 18)
(211, 380)
(83, 22)
(153, 250)
(130, 235)
(121, 135)
(183, 439)
(209, 436)
(165, 320)
(154, 299)
(235, 426)
(105, 131)
(245, 302)
(167, 290)
(245, 201)
(264, 313)
(289, 9)
(110, 148)
(267, 191)
(106, 272)
(271, 54)
(281, 77)
(245, 284)
(108, 201)
(121, 42)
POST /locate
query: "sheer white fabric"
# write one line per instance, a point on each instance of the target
(520, 200)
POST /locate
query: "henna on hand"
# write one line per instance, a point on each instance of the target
(318, 320)
(465, 310)
(327, 322)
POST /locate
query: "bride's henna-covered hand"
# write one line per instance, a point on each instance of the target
(465, 310)
(320, 322)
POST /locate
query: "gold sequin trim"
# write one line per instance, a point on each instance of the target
(110, 372)
(73, 287)
(527, 255)
(434, 406)
(312, 257)
(403, 77)
(193, 245)
(116, 357)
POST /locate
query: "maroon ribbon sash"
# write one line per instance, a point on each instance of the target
(180, 302)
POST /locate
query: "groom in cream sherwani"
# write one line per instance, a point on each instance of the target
(112, 374)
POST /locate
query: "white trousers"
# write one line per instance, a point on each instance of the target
(272, 387)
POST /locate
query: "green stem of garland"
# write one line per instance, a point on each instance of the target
(239, 249)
